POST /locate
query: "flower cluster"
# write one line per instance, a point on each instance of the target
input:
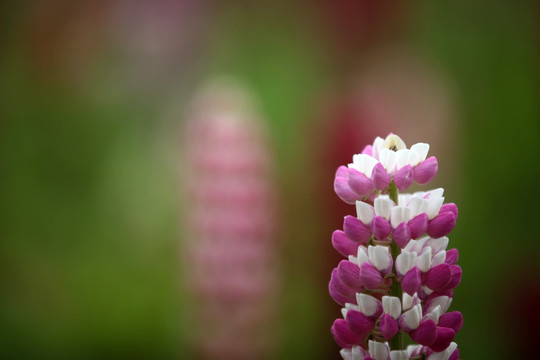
(384, 162)
(398, 276)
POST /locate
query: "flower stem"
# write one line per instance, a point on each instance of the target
(396, 343)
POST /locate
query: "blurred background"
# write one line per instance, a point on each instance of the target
(94, 102)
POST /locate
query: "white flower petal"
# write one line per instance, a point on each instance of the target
(363, 163)
(434, 315)
(358, 353)
(408, 301)
(405, 262)
(364, 212)
(379, 257)
(346, 354)
(412, 246)
(427, 290)
(383, 207)
(400, 214)
(362, 255)
(434, 207)
(388, 160)
(442, 301)
(399, 355)
(412, 317)
(439, 258)
(367, 304)
(378, 350)
(438, 244)
(424, 260)
(417, 205)
(421, 243)
(391, 306)
(377, 146)
(435, 193)
(421, 149)
(401, 158)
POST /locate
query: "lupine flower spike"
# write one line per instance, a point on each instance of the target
(230, 248)
(397, 277)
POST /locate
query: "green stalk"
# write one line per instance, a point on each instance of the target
(396, 343)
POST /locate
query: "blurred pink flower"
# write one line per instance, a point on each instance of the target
(231, 249)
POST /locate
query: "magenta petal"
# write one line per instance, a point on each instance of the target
(426, 333)
(343, 244)
(380, 227)
(450, 207)
(356, 230)
(441, 225)
(339, 286)
(342, 171)
(338, 297)
(342, 189)
(452, 320)
(452, 256)
(370, 277)
(349, 274)
(368, 150)
(455, 278)
(418, 225)
(402, 235)
(343, 335)
(379, 177)
(443, 339)
(404, 178)
(359, 323)
(411, 281)
(388, 326)
(426, 170)
(359, 183)
(437, 276)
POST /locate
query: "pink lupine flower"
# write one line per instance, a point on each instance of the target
(230, 252)
(398, 277)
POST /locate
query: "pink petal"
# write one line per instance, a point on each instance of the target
(356, 230)
(370, 278)
(380, 177)
(349, 274)
(452, 256)
(359, 323)
(426, 333)
(411, 281)
(437, 276)
(343, 244)
(418, 225)
(452, 320)
(381, 227)
(404, 178)
(388, 326)
(426, 170)
(443, 339)
(343, 335)
(402, 235)
(441, 225)
(342, 189)
(359, 183)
